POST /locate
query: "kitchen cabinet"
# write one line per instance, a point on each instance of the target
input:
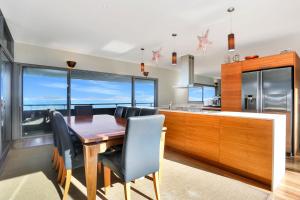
(231, 84)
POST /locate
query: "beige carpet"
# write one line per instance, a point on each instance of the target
(28, 175)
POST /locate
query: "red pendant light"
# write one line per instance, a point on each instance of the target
(142, 62)
(174, 54)
(231, 40)
(174, 58)
(231, 45)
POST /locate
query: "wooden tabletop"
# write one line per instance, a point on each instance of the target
(97, 128)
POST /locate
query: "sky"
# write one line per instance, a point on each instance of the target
(196, 93)
(40, 88)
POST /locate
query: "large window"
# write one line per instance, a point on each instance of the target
(42, 89)
(144, 92)
(201, 93)
(100, 89)
(46, 88)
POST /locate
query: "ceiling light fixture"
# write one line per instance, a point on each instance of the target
(174, 54)
(117, 47)
(71, 64)
(231, 40)
(142, 60)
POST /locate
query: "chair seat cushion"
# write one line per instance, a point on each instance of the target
(113, 161)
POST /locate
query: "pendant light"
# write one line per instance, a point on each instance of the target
(142, 60)
(174, 54)
(231, 41)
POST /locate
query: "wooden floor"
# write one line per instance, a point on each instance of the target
(288, 190)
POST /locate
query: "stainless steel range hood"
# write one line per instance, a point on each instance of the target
(186, 71)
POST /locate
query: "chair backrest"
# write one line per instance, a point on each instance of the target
(124, 112)
(66, 148)
(52, 127)
(148, 111)
(83, 110)
(131, 112)
(119, 111)
(141, 149)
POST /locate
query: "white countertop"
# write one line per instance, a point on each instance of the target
(234, 114)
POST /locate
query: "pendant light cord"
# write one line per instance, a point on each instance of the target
(231, 22)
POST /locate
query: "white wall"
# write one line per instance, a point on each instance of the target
(30, 54)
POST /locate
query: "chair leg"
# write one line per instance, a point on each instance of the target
(99, 167)
(55, 158)
(61, 167)
(127, 191)
(67, 185)
(53, 155)
(107, 177)
(57, 162)
(63, 177)
(156, 185)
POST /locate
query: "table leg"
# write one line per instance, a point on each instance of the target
(90, 166)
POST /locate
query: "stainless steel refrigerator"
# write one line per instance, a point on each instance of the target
(270, 91)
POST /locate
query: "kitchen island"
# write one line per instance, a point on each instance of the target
(249, 144)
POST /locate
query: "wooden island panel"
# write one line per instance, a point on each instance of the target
(247, 139)
(240, 144)
(175, 130)
(202, 136)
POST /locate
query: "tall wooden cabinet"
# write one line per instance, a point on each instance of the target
(231, 87)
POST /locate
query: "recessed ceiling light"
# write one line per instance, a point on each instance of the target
(117, 47)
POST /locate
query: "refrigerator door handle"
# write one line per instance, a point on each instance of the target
(261, 94)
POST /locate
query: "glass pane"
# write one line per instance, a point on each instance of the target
(102, 90)
(43, 89)
(144, 93)
(5, 99)
(195, 94)
(208, 93)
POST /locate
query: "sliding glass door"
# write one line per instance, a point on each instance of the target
(145, 92)
(43, 89)
(5, 102)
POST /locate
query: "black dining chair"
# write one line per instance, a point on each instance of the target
(55, 154)
(140, 155)
(131, 112)
(83, 110)
(148, 111)
(119, 111)
(68, 158)
(70, 152)
(124, 112)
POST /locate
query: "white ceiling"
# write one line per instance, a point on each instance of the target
(85, 26)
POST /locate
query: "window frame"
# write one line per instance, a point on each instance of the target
(198, 85)
(34, 67)
(134, 78)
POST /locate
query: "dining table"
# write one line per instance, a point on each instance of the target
(98, 133)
